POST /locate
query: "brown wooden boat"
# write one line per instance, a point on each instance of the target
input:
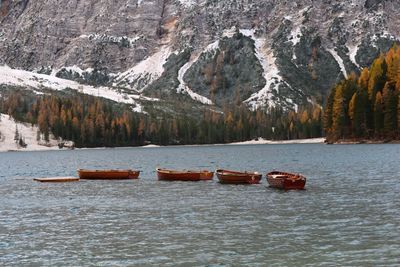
(108, 174)
(184, 175)
(57, 179)
(286, 180)
(235, 177)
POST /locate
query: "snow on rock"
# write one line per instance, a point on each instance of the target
(339, 60)
(229, 32)
(289, 100)
(183, 86)
(270, 73)
(187, 3)
(109, 38)
(28, 133)
(212, 48)
(295, 35)
(385, 34)
(74, 69)
(353, 49)
(33, 80)
(145, 72)
(297, 21)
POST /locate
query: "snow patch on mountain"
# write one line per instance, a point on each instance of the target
(229, 32)
(145, 72)
(290, 101)
(28, 133)
(183, 87)
(295, 34)
(73, 69)
(33, 80)
(270, 73)
(212, 48)
(385, 34)
(339, 60)
(129, 41)
(187, 3)
(353, 49)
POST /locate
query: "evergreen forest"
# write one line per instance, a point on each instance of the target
(92, 122)
(366, 107)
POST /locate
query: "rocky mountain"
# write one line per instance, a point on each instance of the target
(261, 52)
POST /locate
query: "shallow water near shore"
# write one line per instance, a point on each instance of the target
(349, 214)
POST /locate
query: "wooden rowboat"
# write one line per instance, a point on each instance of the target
(184, 175)
(235, 177)
(57, 179)
(286, 180)
(108, 174)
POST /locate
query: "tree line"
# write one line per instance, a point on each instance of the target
(92, 122)
(366, 106)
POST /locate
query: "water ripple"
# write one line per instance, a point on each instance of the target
(348, 216)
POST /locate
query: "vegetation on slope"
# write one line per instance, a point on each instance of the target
(90, 121)
(368, 106)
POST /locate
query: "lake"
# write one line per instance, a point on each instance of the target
(349, 214)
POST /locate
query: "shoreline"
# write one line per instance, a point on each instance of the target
(259, 141)
(363, 142)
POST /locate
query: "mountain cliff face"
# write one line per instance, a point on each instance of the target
(263, 53)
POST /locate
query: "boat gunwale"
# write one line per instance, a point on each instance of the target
(88, 174)
(236, 173)
(111, 170)
(168, 171)
(285, 175)
(234, 177)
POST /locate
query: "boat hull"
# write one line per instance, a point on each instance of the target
(108, 174)
(233, 177)
(57, 179)
(172, 175)
(286, 181)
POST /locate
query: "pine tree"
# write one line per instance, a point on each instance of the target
(43, 121)
(398, 81)
(357, 113)
(377, 77)
(389, 110)
(328, 114)
(378, 115)
(21, 142)
(339, 113)
(141, 131)
(352, 107)
(364, 78)
(398, 116)
(393, 61)
(16, 135)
